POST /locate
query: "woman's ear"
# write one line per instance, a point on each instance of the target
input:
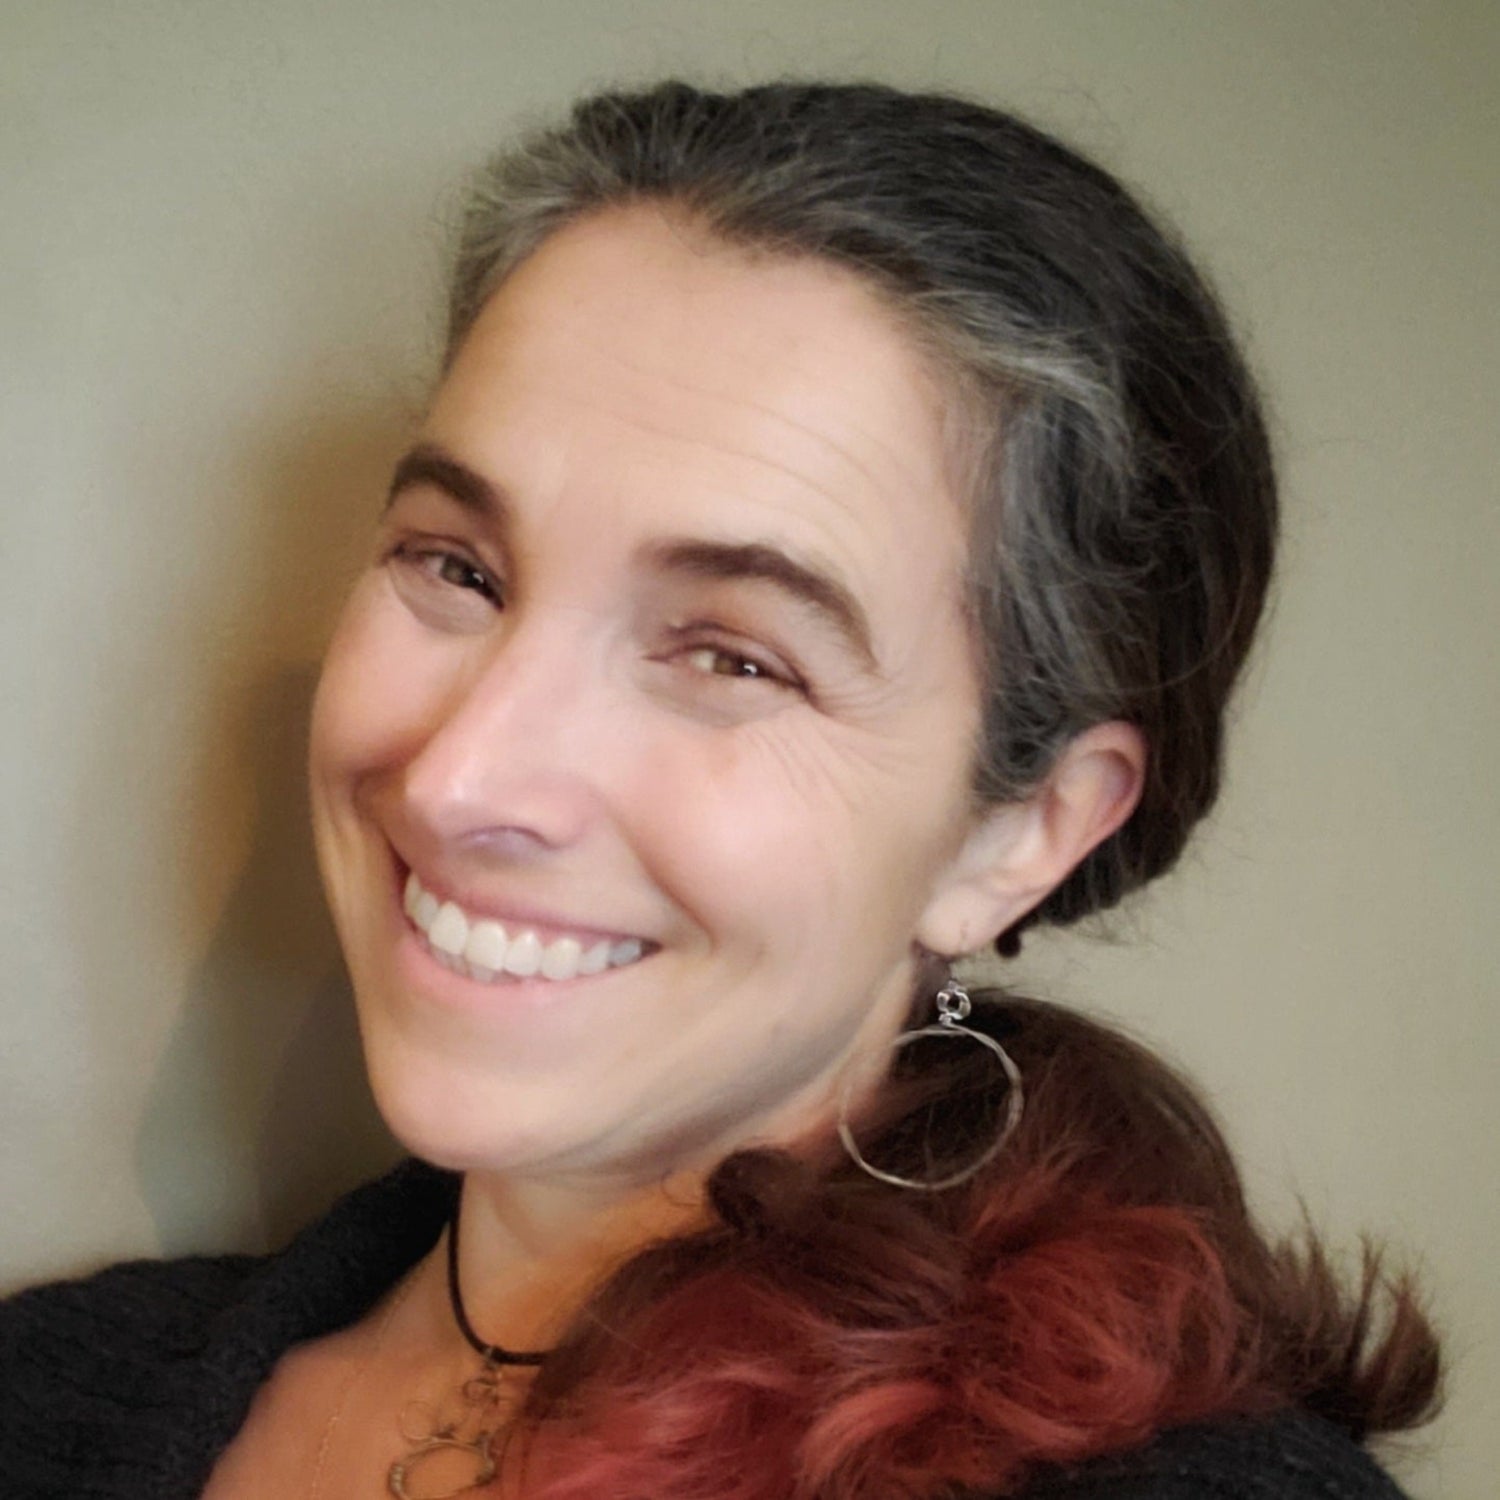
(1016, 854)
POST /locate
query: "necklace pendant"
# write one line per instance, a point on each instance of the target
(455, 1454)
(436, 1457)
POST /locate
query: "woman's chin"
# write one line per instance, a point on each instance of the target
(438, 1130)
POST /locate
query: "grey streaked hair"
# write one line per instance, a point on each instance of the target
(1123, 498)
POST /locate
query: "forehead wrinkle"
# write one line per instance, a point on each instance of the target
(611, 398)
(734, 446)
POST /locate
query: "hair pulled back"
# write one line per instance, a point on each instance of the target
(1123, 500)
(827, 1337)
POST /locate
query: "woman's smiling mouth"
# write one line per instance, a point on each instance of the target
(489, 951)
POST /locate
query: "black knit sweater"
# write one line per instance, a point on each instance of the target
(128, 1385)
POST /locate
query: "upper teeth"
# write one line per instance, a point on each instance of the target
(483, 948)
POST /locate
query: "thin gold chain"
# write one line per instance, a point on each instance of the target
(352, 1380)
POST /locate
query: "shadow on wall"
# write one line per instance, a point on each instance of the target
(259, 1112)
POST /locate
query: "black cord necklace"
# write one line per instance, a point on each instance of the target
(469, 1432)
(494, 1354)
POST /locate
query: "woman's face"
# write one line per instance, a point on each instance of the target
(661, 664)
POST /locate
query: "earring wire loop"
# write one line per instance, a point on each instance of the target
(953, 1007)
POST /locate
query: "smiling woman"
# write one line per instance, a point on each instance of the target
(830, 549)
(700, 684)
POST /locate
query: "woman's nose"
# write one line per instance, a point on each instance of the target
(505, 759)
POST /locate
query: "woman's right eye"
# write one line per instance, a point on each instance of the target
(444, 577)
(452, 568)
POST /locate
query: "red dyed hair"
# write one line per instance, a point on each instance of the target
(835, 1338)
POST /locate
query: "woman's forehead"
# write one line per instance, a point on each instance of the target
(631, 357)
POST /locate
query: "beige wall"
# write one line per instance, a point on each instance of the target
(218, 240)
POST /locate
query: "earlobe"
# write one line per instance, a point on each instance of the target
(1016, 854)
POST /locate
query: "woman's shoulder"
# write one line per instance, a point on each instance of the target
(134, 1378)
(89, 1368)
(1290, 1456)
(127, 1308)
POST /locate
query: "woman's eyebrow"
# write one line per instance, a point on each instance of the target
(811, 585)
(427, 463)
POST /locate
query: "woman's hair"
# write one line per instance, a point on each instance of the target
(1123, 505)
(829, 1336)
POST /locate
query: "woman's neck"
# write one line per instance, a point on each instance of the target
(531, 1253)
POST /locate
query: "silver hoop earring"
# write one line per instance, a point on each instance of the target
(953, 1007)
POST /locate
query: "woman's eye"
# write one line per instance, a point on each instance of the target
(441, 565)
(721, 661)
(462, 574)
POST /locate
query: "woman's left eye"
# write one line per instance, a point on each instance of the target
(724, 661)
(721, 663)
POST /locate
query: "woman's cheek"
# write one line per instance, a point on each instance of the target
(765, 810)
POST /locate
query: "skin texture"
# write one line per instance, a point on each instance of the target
(541, 701)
